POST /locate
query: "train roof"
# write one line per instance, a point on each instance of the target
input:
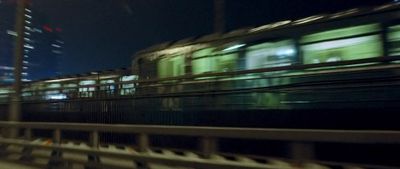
(193, 41)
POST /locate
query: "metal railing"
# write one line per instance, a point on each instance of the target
(301, 141)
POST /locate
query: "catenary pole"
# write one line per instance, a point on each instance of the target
(219, 18)
(15, 102)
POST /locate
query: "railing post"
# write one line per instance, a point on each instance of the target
(27, 151)
(56, 155)
(301, 151)
(94, 139)
(28, 134)
(94, 143)
(57, 136)
(143, 142)
(209, 146)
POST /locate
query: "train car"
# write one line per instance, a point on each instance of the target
(342, 66)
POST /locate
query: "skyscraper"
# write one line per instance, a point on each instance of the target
(42, 45)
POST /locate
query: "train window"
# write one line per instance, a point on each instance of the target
(394, 40)
(87, 82)
(70, 89)
(70, 85)
(203, 52)
(54, 85)
(227, 62)
(271, 54)
(340, 33)
(342, 44)
(227, 58)
(129, 88)
(208, 60)
(171, 66)
(204, 61)
(4, 93)
(88, 90)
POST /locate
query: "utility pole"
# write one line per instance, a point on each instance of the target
(219, 18)
(15, 102)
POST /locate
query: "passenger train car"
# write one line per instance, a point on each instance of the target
(325, 71)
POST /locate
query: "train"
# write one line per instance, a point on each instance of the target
(336, 70)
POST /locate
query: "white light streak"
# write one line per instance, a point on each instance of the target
(234, 47)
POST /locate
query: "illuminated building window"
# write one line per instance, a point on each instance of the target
(56, 51)
(56, 46)
(358, 42)
(12, 33)
(29, 46)
(37, 30)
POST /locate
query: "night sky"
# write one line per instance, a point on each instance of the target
(104, 34)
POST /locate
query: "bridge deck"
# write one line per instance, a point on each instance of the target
(60, 152)
(42, 157)
(6, 164)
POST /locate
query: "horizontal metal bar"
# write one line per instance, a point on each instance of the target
(304, 135)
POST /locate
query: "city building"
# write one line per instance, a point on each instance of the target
(42, 45)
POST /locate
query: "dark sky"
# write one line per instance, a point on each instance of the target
(104, 34)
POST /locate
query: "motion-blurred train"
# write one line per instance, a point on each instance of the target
(325, 71)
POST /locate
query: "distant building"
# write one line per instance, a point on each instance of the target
(42, 45)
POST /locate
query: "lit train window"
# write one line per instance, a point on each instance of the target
(87, 91)
(107, 86)
(203, 61)
(171, 66)
(54, 85)
(271, 54)
(4, 93)
(129, 88)
(394, 40)
(203, 52)
(70, 88)
(70, 85)
(227, 58)
(340, 33)
(352, 43)
(208, 60)
(87, 82)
